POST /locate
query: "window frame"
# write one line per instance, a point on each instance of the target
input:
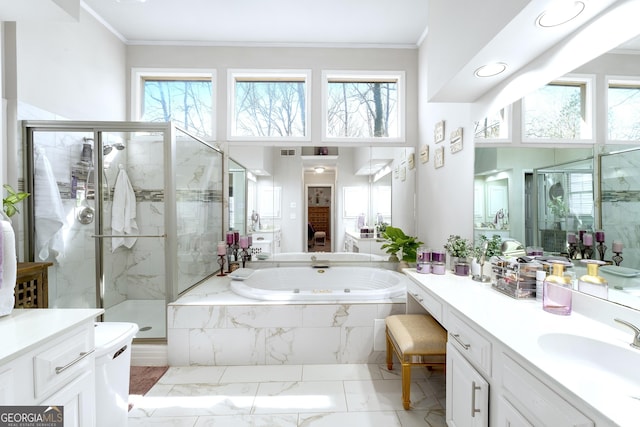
(586, 80)
(365, 77)
(267, 75)
(138, 76)
(632, 81)
(508, 122)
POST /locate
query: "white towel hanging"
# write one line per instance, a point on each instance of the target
(49, 212)
(123, 212)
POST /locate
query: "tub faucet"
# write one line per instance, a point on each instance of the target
(636, 331)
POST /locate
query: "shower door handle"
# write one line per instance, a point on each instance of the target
(114, 236)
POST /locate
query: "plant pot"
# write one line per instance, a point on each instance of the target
(461, 266)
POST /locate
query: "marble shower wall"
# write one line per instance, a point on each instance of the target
(620, 202)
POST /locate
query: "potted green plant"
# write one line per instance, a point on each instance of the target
(396, 241)
(559, 209)
(13, 198)
(459, 250)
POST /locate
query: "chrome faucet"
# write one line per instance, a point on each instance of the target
(636, 331)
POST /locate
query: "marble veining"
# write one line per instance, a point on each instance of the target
(219, 327)
(363, 395)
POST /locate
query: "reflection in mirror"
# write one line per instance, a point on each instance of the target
(565, 203)
(237, 197)
(355, 186)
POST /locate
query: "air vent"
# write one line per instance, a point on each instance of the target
(288, 152)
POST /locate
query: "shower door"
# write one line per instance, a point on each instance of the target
(128, 213)
(131, 228)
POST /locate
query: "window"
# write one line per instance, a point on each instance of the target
(269, 105)
(363, 106)
(186, 98)
(561, 110)
(494, 127)
(623, 110)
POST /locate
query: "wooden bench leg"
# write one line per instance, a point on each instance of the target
(406, 385)
(389, 353)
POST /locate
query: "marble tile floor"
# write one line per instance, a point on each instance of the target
(291, 395)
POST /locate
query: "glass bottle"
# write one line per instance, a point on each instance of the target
(591, 283)
(556, 297)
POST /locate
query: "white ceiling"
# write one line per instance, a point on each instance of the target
(327, 22)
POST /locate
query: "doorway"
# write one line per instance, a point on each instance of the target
(319, 213)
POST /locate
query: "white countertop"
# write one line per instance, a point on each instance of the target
(23, 329)
(519, 324)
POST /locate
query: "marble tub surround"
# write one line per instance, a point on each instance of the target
(607, 391)
(363, 395)
(211, 325)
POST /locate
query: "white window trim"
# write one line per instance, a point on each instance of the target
(268, 74)
(589, 81)
(365, 76)
(508, 122)
(632, 80)
(137, 74)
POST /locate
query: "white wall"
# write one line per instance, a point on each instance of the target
(444, 196)
(73, 69)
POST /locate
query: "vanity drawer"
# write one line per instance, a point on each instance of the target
(471, 343)
(63, 360)
(425, 299)
(539, 404)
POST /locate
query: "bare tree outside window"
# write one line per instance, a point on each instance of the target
(362, 109)
(623, 112)
(186, 102)
(555, 111)
(270, 108)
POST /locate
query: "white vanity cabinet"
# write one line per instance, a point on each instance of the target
(534, 402)
(467, 392)
(49, 361)
(494, 376)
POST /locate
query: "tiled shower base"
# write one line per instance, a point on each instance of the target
(211, 325)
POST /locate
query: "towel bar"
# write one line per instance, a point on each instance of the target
(113, 236)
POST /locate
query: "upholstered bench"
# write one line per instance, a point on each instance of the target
(417, 340)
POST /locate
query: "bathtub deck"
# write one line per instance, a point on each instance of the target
(219, 327)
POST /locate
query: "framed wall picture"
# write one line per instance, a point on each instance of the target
(456, 140)
(438, 132)
(411, 161)
(438, 158)
(424, 153)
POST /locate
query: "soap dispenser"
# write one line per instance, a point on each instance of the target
(591, 283)
(556, 296)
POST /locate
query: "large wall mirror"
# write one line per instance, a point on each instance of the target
(553, 191)
(319, 199)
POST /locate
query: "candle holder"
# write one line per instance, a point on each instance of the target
(221, 264)
(617, 258)
(587, 252)
(602, 248)
(573, 250)
(245, 256)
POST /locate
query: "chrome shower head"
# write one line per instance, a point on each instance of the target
(106, 149)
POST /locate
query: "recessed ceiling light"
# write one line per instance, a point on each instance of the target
(319, 169)
(490, 70)
(560, 13)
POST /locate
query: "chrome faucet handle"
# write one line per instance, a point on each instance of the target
(636, 331)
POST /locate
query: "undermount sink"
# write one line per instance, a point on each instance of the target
(602, 359)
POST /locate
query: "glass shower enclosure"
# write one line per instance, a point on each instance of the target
(128, 213)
